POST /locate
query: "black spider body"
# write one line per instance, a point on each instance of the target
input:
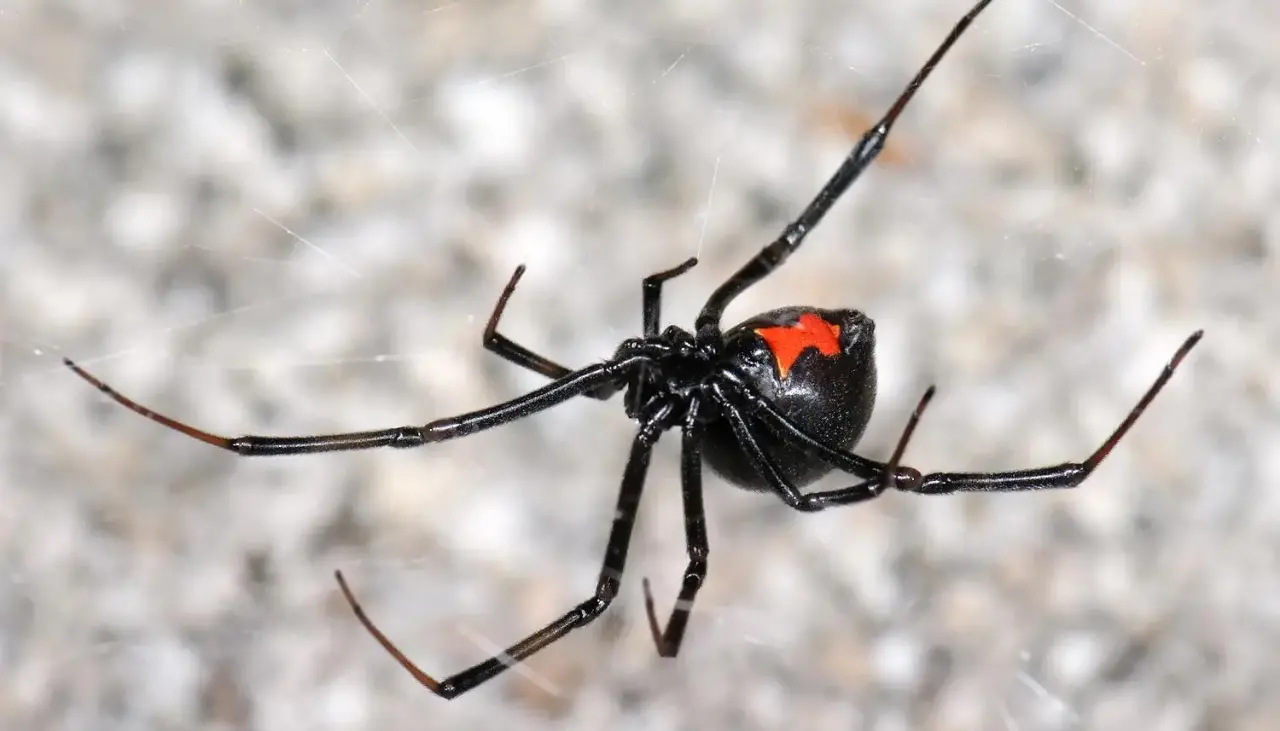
(827, 393)
(771, 404)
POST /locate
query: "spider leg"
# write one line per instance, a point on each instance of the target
(652, 289)
(572, 384)
(695, 535)
(513, 352)
(1069, 474)
(767, 412)
(651, 308)
(615, 560)
(894, 471)
(815, 501)
(859, 158)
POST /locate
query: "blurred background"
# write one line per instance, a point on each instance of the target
(294, 218)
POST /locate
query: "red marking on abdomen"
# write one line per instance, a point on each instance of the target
(787, 342)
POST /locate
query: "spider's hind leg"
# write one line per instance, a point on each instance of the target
(695, 533)
(882, 477)
(1066, 475)
(584, 613)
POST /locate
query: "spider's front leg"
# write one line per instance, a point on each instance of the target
(593, 377)
(864, 153)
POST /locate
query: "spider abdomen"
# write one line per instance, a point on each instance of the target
(818, 368)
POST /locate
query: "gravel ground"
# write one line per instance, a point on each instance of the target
(293, 217)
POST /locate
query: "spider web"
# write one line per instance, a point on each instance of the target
(294, 218)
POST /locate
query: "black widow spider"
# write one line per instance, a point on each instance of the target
(772, 404)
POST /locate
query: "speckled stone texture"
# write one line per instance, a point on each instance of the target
(294, 217)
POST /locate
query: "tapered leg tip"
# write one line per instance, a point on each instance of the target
(1187, 345)
(342, 584)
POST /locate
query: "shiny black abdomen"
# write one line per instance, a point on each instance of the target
(827, 394)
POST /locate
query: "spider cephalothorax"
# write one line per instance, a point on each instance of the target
(772, 404)
(816, 366)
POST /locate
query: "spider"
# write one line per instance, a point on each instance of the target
(770, 404)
